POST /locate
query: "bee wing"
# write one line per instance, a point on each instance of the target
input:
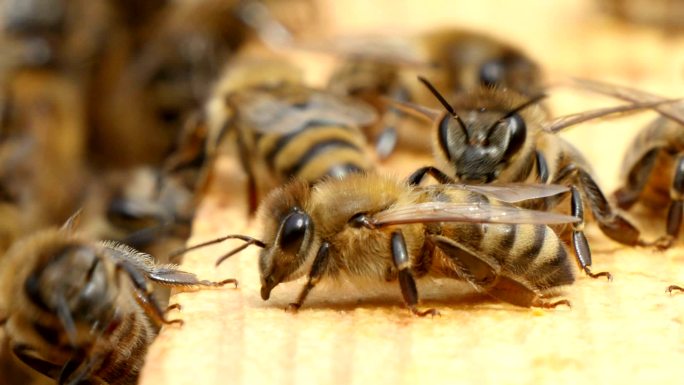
(421, 112)
(396, 50)
(672, 111)
(515, 192)
(272, 114)
(466, 212)
(562, 122)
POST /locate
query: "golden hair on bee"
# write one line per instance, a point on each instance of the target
(375, 227)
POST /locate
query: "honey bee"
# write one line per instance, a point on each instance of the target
(81, 311)
(457, 61)
(658, 146)
(369, 226)
(170, 75)
(499, 135)
(284, 129)
(143, 208)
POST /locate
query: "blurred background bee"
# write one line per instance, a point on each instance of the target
(657, 146)
(282, 129)
(375, 68)
(81, 311)
(375, 228)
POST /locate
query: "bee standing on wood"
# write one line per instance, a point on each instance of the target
(76, 310)
(369, 226)
(498, 135)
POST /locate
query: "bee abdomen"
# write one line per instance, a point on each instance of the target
(129, 342)
(321, 151)
(538, 254)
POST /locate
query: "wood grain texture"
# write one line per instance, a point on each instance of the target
(627, 331)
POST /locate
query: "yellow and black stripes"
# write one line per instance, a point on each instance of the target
(315, 151)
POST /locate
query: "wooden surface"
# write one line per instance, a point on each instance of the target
(628, 331)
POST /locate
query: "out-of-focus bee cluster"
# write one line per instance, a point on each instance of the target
(118, 111)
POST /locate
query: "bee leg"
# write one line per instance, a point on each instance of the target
(485, 274)
(77, 369)
(672, 288)
(387, 140)
(579, 240)
(41, 366)
(406, 280)
(611, 223)
(144, 296)
(174, 277)
(637, 177)
(245, 160)
(318, 267)
(676, 209)
(542, 167)
(418, 175)
(252, 195)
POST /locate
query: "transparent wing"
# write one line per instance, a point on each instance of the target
(466, 212)
(270, 112)
(673, 111)
(562, 122)
(515, 192)
(397, 50)
(414, 109)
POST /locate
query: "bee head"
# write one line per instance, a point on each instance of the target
(73, 282)
(481, 149)
(288, 236)
(512, 70)
(479, 145)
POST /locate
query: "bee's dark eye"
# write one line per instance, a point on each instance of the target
(518, 132)
(492, 73)
(293, 231)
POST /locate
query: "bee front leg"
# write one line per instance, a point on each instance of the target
(579, 240)
(406, 281)
(637, 177)
(318, 267)
(676, 209)
(418, 175)
(78, 369)
(144, 296)
(611, 223)
(388, 138)
(485, 273)
(21, 352)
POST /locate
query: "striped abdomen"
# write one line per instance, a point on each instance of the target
(128, 345)
(531, 252)
(316, 151)
(114, 356)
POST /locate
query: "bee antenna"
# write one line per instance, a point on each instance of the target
(238, 249)
(444, 103)
(533, 100)
(249, 241)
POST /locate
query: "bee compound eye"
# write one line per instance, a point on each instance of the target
(293, 231)
(517, 135)
(492, 73)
